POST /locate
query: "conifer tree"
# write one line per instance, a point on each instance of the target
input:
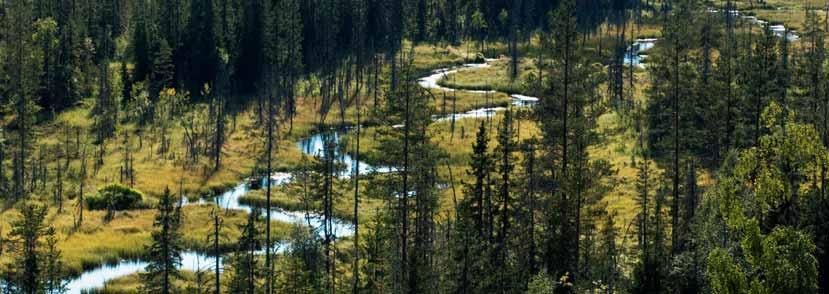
(505, 167)
(480, 168)
(164, 254)
(126, 86)
(141, 51)
(4, 180)
(246, 269)
(31, 256)
(65, 73)
(21, 90)
(163, 70)
(202, 59)
(54, 272)
(671, 131)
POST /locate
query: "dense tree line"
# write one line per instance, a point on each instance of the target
(738, 115)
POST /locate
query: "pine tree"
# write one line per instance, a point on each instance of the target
(214, 238)
(29, 251)
(64, 80)
(479, 28)
(566, 124)
(248, 69)
(141, 46)
(53, 268)
(505, 167)
(82, 174)
(126, 86)
(672, 74)
(163, 70)
(202, 55)
(171, 28)
(609, 254)
(815, 107)
(21, 89)
(476, 192)
(164, 254)
(106, 107)
(289, 56)
(4, 180)
(45, 37)
(472, 238)
(246, 269)
(528, 204)
(757, 80)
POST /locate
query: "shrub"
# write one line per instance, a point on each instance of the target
(478, 58)
(116, 196)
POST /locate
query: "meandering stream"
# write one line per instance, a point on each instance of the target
(97, 278)
(635, 54)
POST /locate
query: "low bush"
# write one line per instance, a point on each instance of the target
(115, 196)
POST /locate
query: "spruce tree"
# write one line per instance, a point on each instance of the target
(163, 70)
(31, 256)
(476, 192)
(141, 51)
(54, 271)
(126, 86)
(505, 167)
(19, 64)
(202, 57)
(164, 253)
(246, 268)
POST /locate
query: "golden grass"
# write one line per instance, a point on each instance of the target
(495, 77)
(290, 198)
(132, 284)
(128, 233)
(789, 12)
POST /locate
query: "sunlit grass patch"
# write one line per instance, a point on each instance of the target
(127, 233)
(494, 77)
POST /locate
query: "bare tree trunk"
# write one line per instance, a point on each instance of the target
(675, 205)
(217, 255)
(269, 273)
(404, 197)
(356, 269)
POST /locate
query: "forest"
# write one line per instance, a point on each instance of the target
(414, 146)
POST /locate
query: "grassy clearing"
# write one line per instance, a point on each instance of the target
(290, 198)
(132, 284)
(244, 144)
(154, 172)
(776, 4)
(427, 57)
(789, 12)
(793, 19)
(127, 234)
(495, 77)
(127, 284)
